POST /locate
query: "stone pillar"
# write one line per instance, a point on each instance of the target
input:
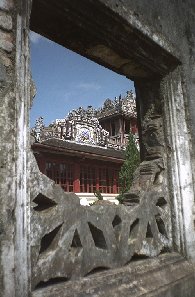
(166, 142)
(15, 101)
(151, 177)
(180, 164)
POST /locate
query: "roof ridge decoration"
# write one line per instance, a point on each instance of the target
(123, 105)
(82, 125)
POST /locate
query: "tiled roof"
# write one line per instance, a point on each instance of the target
(72, 147)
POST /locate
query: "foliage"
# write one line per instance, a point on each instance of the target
(132, 161)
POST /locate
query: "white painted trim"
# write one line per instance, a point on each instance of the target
(87, 198)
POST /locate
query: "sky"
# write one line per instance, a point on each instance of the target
(65, 80)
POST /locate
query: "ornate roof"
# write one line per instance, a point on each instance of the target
(74, 148)
(120, 105)
(79, 126)
(82, 125)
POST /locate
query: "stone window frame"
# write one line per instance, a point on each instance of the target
(177, 140)
(161, 64)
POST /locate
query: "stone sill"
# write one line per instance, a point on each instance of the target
(168, 275)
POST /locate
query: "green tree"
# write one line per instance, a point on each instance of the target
(132, 161)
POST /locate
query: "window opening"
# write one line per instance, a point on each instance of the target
(61, 173)
(61, 125)
(88, 179)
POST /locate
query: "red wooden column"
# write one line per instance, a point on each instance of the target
(76, 178)
(114, 185)
(97, 178)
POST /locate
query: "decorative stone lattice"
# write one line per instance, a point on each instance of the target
(70, 240)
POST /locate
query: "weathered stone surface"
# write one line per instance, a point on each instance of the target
(94, 44)
(165, 276)
(5, 60)
(13, 171)
(150, 178)
(5, 21)
(139, 41)
(6, 4)
(2, 73)
(144, 227)
(107, 236)
(6, 41)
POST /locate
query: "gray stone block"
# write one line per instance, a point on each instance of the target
(6, 4)
(5, 21)
(2, 73)
(6, 41)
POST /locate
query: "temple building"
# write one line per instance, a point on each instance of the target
(84, 151)
(119, 117)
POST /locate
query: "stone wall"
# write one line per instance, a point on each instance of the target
(151, 45)
(162, 23)
(7, 126)
(14, 92)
